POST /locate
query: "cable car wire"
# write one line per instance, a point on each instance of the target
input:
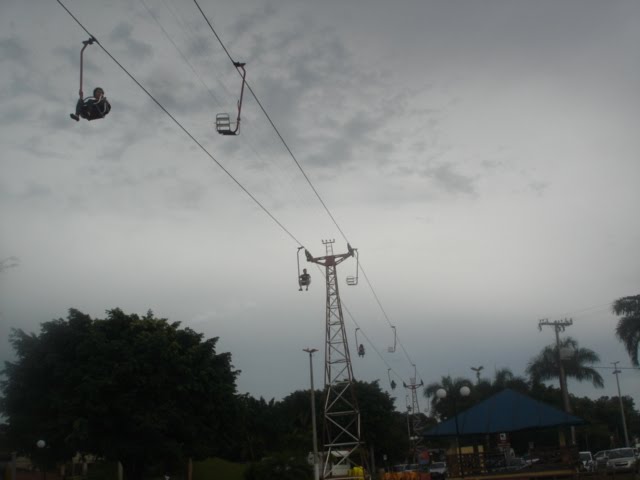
(187, 32)
(286, 146)
(304, 174)
(237, 182)
(175, 120)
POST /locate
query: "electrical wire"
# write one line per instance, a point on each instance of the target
(237, 182)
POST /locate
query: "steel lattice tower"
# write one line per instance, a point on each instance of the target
(416, 425)
(341, 413)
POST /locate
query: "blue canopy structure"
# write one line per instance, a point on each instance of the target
(507, 411)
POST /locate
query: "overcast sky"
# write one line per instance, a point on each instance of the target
(481, 155)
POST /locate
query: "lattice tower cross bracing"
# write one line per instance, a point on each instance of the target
(341, 426)
(416, 425)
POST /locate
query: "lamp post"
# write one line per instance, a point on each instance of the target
(316, 469)
(624, 422)
(464, 391)
(41, 444)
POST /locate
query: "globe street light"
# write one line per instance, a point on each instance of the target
(464, 391)
(41, 444)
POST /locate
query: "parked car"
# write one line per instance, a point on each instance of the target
(587, 461)
(600, 460)
(438, 470)
(622, 459)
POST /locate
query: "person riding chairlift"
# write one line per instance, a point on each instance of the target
(361, 350)
(305, 279)
(92, 108)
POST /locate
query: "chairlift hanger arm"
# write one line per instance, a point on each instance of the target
(85, 44)
(223, 122)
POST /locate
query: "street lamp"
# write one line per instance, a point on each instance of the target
(316, 469)
(464, 391)
(41, 444)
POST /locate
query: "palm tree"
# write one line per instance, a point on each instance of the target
(544, 366)
(628, 328)
(504, 378)
(452, 386)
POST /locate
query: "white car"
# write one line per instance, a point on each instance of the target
(587, 461)
(622, 459)
(438, 470)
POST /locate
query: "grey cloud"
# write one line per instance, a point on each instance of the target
(250, 21)
(12, 49)
(450, 180)
(539, 187)
(137, 49)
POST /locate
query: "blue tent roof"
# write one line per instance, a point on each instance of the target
(507, 411)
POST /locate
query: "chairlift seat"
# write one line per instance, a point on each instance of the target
(352, 281)
(223, 124)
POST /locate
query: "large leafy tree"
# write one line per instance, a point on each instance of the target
(140, 390)
(286, 425)
(544, 366)
(628, 328)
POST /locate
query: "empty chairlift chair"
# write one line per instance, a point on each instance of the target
(224, 125)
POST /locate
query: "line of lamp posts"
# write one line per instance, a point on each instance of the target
(464, 391)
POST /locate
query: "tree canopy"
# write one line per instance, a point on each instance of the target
(628, 328)
(544, 366)
(140, 390)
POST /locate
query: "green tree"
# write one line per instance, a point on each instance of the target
(280, 467)
(136, 389)
(544, 366)
(504, 378)
(628, 328)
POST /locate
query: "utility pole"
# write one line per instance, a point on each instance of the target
(415, 426)
(316, 468)
(341, 427)
(624, 421)
(559, 326)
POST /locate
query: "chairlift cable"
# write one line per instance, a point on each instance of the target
(299, 167)
(184, 57)
(237, 182)
(304, 174)
(217, 102)
(188, 133)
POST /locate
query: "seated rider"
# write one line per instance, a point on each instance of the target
(92, 108)
(305, 279)
(361, 350)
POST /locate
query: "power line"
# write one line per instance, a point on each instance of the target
(237, 182)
